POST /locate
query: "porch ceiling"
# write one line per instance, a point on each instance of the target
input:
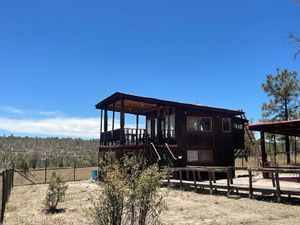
(290, 127)
(134, 107)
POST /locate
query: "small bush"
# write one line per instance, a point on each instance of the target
(55, 194)
(131, 195)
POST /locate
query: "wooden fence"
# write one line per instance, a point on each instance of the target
(192, 177)
(6, 184)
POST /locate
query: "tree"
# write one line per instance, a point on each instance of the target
(55, 194)
(295, 39)
(283, 90)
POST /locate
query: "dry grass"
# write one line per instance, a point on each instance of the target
(26, 207)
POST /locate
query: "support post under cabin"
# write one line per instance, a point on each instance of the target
(113, 126)
(101, 118)
(122, 123)
(137, 129)
(105, 126)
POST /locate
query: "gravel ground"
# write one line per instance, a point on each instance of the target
(183, 207)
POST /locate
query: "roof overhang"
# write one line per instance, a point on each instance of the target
(289, 127)
(143, 105)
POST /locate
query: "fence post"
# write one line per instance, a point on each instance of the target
(278, 192)
(46, 162)
(250, 184)
(3, 197)
(74, 172)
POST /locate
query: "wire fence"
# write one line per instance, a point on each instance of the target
(6, 184)
(43, 175)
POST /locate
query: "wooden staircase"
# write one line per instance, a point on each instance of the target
(253, 142)
(159, 154)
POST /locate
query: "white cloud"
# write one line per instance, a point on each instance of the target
(58, 126)
(69, 127)
(51, 113)
(11, 109)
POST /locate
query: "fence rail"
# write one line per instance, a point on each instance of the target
(191, 176)
(43, 175)
(6, 184)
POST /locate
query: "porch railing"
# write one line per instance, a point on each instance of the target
(130, 136)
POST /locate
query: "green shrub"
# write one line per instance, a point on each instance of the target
(131, 194)
(55, 194)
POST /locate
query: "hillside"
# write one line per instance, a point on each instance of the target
(57, 151)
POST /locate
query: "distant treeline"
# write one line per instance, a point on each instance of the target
(22, 152)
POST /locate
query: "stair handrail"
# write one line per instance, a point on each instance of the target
(157, 154)
(171, 153)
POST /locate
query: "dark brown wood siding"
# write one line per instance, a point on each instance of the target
(220, 143)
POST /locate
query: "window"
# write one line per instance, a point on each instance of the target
(192, 156)
(238, 126)
(205, 156)
(169, 119)
(205, 124)
(226, 125)
(149, 127)
(172, 125)
(155, 127)
(199, 123)
(202, 156)
(192, 123)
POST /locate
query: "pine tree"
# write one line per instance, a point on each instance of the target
(283, 89)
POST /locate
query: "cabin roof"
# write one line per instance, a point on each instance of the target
(143, 105)
(289, 127)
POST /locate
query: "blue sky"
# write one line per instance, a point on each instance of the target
(59, 58)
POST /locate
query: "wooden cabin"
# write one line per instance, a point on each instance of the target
(170, 133)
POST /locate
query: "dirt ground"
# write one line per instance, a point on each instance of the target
(184, 207)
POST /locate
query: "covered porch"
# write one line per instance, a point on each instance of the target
(289, 128)
(129, 120)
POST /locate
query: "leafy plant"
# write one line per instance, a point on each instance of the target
(131, 195)
(55, 194)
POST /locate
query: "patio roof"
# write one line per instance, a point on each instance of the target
(289, 127)
(143, 105)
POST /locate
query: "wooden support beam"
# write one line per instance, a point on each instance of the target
(214, 177)
(228, 181)
(210, 183)
(137, 129)
(113, 126)
(180, 177)
(101, 118)
(263, 149)
(250, 185)
(194, 177)
(273, 179)
(278, 192)
(122, 123)
(105, 126)
(199, 176)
